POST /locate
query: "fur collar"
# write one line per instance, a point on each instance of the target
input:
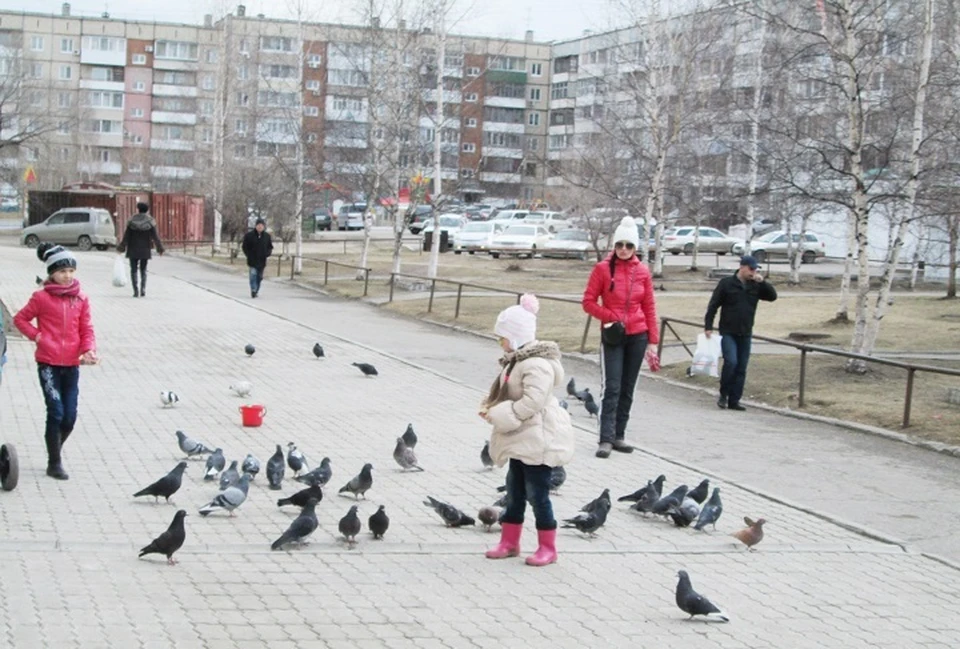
(535, 349)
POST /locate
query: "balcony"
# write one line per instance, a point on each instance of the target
(496, 177)
(165, 117)
(113, 168)
(173, 145)
(566, 102)
(172, 172)
(93, 84)
(174, 64)
(555, 181)
(103, 139)
(345, 142)
(503, 127)
(161, 90)
(103, 57)
(348, 168)
(498, 152)
(505, 102)
(449, 96)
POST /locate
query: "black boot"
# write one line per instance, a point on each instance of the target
(143, 285)
(54, 466)
(133, 280)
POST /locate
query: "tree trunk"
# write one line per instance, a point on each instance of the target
(843, 309)
(755, 136)
(954, 231)
(915, 258)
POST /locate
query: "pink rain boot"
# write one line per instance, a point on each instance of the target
(509, 545)
(547, 552)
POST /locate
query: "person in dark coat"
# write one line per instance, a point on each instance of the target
(140, 234)
(257, 246)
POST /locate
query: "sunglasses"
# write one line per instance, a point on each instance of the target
(624, 244)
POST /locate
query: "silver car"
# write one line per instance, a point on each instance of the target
(776, 245)
(476, 236)
(677, 240)
(84, 227)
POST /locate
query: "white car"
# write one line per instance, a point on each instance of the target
(569, 244)
(509, 216)
(520, 240)
(476, 236)
(552, 221)
(449, 223)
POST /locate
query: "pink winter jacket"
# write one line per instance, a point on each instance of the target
(63, 324)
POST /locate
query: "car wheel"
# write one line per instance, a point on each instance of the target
(808, 257)
(457, 252)
(760, 256)
(471, 252)
(722, 253)
(32, 241)
(733, 249)
(495, 255)
(84, 243)
(102, 246)
(688, 249)
(9, 467)
(674, 252)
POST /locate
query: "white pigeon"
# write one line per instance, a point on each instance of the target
(169, 399)
(241, 388)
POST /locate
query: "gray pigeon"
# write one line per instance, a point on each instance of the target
(572, 387)
(249, 349)
(405, 456)
(215, 464)
(710, 513)
(592, 408)
(318, 350)
(693, 603)
(488, 516)
(228, 499)
(360, 483)
(296, 460)
(485, 455)
(275, 469)
(558, 475)
(700, 492)
(367, 369)
(350, 525)
(501, 501)
(673, 499)
(165, 486)
(563, 404)
(302, 497)
(451, 516)
(646, 501)
(229, 477)
(191, 446)
(685, 514)
(319, 476)
(379, 522)
(170, 541)
(589, 522)
(410, 436)
(602, 499)
(250, 465)
(653, 486)
(302, 526)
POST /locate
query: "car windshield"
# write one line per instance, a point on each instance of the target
(573, 235)
(769, 236)
(536, 216)
(521, 231)
(478, 227)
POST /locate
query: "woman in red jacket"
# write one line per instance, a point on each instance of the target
(620, 295)
(65, 340)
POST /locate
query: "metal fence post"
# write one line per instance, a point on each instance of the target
(279, 264)
(456, 312)
(293, 266)
(366, 281)
(326, 271)
(586, 331)
(663, 332)
(803, 375)
(393, 280)
(909, 397)
(433, 287)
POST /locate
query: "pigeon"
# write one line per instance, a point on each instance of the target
(700, 492)
(366, 368)
(752, 534)
(572, 387)
(583, 394)
(592, 408)
(693, 603)
(653, 487)
(296, 460)
(169, 399)
(318, 350)
(710, 513)
(673, 499)
(405, 456)
(410, 437)
(360, 483)
(319, 476)
(301, 527)
(501, 501)
(275, 469)
(684, 514)
(228, 499)
(215, 464)
(658, 484)
(241, 388)
(302, 497)
(170, 541)
(165, 486)
(250, 465)
(563, 404)
(451, 516)
(558, 475)
(485, 455)
(603, 499)
(589, 522)
(230, 477)
(249, 349)
(488, 516)
(191, 446)
(350, 525)
(379, 522)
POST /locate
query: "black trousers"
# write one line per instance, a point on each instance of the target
(142, 263)
(620, 366)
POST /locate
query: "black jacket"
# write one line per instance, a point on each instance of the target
(738, 304)
(141, 232)
(257, 247)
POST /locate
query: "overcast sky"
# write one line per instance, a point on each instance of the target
(550, 19)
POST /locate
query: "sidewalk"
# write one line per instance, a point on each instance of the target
(68, 554)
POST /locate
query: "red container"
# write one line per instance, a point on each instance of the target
(252, 416)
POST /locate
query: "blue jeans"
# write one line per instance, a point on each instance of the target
(61, 389)
(620, 366)
(736, 355)
(526, 482)
(256, 278)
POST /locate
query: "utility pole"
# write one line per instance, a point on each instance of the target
(298, 245)
(220, 133)
(439, 18)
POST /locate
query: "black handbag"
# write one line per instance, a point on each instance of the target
(613, 334)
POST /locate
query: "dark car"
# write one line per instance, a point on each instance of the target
(323, 219)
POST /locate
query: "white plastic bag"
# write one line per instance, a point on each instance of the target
(119, 272)
(706, 358)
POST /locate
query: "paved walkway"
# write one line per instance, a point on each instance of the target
(68, 562)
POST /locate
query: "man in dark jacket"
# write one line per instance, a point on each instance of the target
(141, 232)
(257, 246)
(736, 297)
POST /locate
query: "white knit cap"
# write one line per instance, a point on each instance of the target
(518, 323)
(627, 231)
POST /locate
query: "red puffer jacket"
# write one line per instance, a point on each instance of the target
(632, 278)
(63, 324)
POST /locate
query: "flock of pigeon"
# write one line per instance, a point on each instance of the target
(684, 507)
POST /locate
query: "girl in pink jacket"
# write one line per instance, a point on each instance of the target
(65, 340)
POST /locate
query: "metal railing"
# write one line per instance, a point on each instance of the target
(327, 263)
(804, 349)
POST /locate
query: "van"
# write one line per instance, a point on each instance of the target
(350, 216)
(84, 227)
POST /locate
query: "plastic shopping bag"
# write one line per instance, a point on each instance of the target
(119, 272)
(706, 358)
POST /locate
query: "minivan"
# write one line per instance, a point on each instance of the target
(84, 227)
(350, 216)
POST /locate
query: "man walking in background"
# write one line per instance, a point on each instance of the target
(736, 297)
(257, 246)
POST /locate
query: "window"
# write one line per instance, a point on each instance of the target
(172, 78)
(511, 90)
(243, 99)
(35, 98)
(311, 111)
(105, 99)
(66, 45)
(498, 139)
(270, 149)
(314, 60)
(104, 156)
(136, 112)
(533, 144)
(276, 44)
(533, 119)
(278, 71)
(135, 168)
(313, 85)
(63, 128)
(175, 50)
(354, 78)
(473, 71)
(240, 127)
(311, 138)
(64, 154)
(104, 126)
(347, 103)
(211, 55)
(65, 99)
(173, 132)
(559, 141)
(534, 94)
(530, 169)
(506, 115)
(277, 99)
(206, 107)
(104, 43)
(137, 139)
(506, 63)
(536, 69)
(558, 90)
(466, 173)
(471, 97)
(206, 135)
(239, 150)
(243, 46)
(566, 64)
(139, 86)
(469, 147)
(207, 83)
(243, 73)
(471, 122)
(453, 60)
(106, 74)
(139, 59)
(36, 71)
(36, 43)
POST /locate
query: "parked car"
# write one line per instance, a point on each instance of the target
(510, 215)
(84, 227)
(323, 219)
(476, 236)
(350, 216)
(521, 240)
(764, 226)
(774, 245)
(681, 239)
(567, 244)
(420, 214)
(449, 223)
(552, 221)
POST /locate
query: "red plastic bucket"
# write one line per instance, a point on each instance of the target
(252, 415)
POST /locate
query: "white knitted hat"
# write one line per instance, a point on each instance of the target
(518, 323)
(627, 231)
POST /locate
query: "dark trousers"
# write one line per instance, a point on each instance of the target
(620, 365)
(61, 389)
(736, 355)
(256, 278)
(142, 263)
(528, 483)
